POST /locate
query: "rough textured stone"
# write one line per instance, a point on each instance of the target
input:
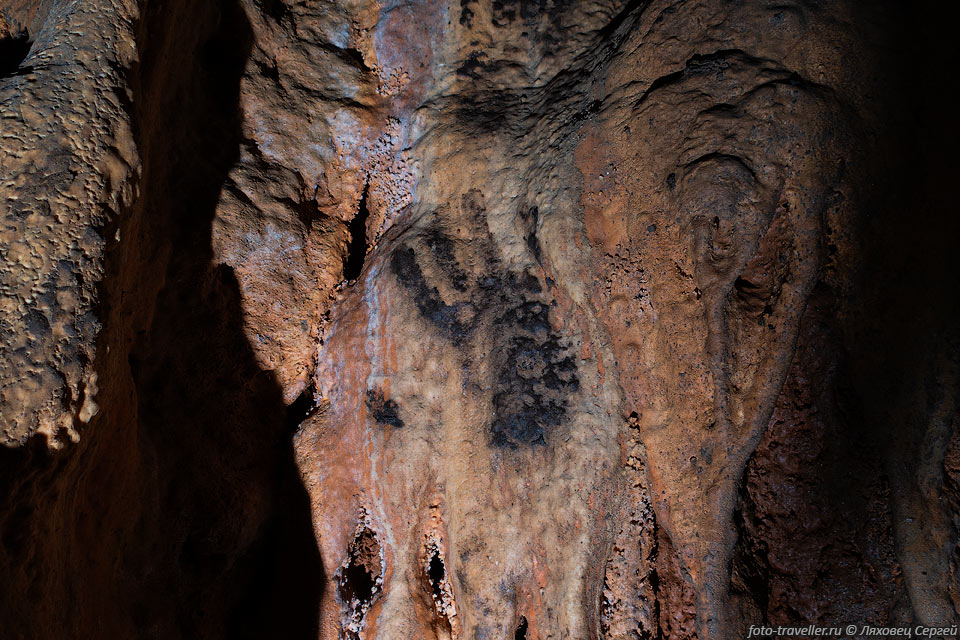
(602, 319)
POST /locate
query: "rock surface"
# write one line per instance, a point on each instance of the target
(604, 319)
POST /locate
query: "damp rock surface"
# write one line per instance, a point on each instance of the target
(610, 319)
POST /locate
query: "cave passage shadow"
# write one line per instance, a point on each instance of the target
(211, 420)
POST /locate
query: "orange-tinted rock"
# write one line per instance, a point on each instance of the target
(475, 320)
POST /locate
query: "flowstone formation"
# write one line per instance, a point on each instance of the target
(476, 320)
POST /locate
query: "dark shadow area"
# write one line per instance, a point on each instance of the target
(14, 47)
(231, 520)
(843, 512)
(20, 23)
(907, 351)
(866, 421)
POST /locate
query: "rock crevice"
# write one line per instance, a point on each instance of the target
(611, 319)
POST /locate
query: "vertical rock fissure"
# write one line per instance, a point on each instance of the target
(439, 588)
(521, 632)
(357, 249)
(436, 574)
(360, 581)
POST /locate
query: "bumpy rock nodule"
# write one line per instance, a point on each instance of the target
(605, 319)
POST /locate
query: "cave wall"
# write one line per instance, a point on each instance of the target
(476, 320)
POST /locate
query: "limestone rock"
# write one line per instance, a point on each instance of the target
(353, 319)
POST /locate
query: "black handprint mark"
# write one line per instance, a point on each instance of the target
(533, 372)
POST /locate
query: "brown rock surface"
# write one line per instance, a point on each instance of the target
(481, 320)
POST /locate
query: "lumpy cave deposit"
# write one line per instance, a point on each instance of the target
(477, 320)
